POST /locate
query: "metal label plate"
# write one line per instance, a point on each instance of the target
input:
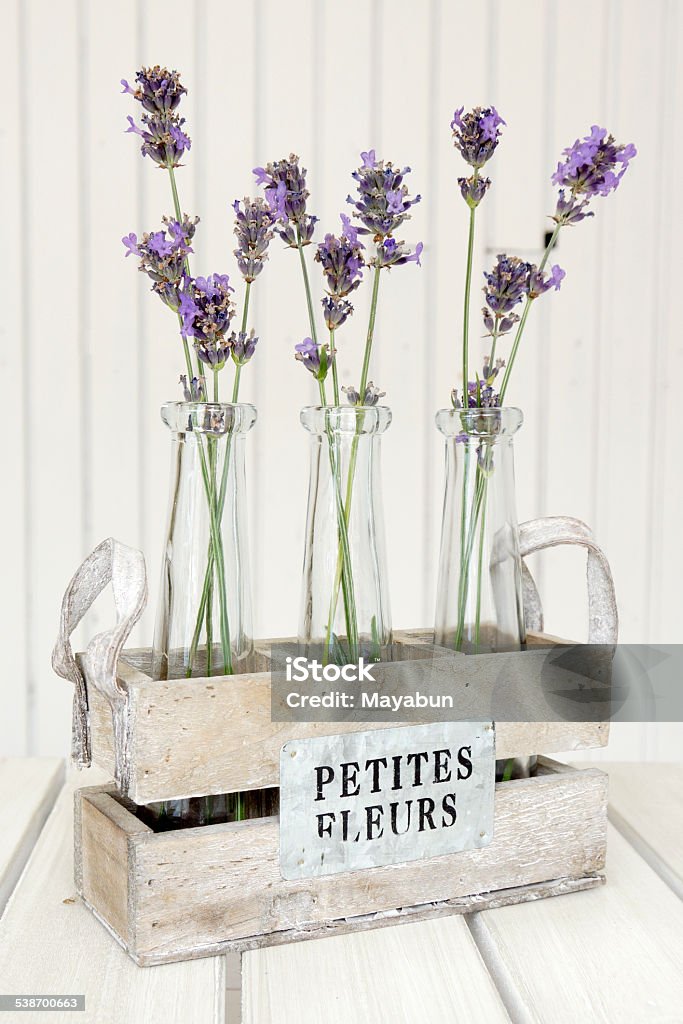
(364, 799)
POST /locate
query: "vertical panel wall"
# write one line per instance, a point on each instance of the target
(87, 356)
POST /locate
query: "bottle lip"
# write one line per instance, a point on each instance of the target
(213, 418)
(346, 419)
(478, 423)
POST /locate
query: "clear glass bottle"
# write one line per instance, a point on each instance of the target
(345, 600)
(479, 594)
(203, 623)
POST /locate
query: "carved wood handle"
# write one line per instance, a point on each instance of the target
(123, 567)
(550, 532)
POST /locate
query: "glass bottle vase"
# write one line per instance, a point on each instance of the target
(345, 600)
(203, 622)
(479, 594)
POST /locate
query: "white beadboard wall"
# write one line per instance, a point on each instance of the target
(87, 355)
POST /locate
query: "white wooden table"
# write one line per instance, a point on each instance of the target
(613, 954)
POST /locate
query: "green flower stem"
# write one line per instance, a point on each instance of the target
(342, 524)
(179, 218)
(466, 309)
(216, 539)
(238, 368)
(354, 453)
(335, 379)
(370, 336)
(482, 535)
(525, 313)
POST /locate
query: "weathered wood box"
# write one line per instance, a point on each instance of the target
(192, 892)
(201, 891)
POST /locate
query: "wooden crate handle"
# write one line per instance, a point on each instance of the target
(123, 567)
(553, 531)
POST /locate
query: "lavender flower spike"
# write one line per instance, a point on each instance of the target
(341, 260)
(476, 134)
(243, 346)
(253, 227)
(286, 195)
(383, 202)
(163, 258)
(157, 89)
(473, 189)
(206, 310)
(162, 138)
(393, 254)
(507, 284)
(316, 360)
(594, 165)
(538, 283)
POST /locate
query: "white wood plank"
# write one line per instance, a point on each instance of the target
(400, 359)
(611, 954)
(666, 490)
(279, 450)
(429, 971)
(568, 320)
(109, 178)
(28, 790)
(626, 360)
(646, 805)
(50, 943)
(167, 36)
(14, 366)
(52, 421)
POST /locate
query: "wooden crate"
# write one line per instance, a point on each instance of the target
(198, 737)
(202, 891)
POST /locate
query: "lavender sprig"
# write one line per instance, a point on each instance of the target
(163, 256)
(284, 182)
(593, 166)
(253, 228)
(476, 134)
(383, 200)
(206, 310)
(590, 164)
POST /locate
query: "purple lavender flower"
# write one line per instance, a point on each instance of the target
(253, 227)
(371, 397)
(243, 346)
(317, 360)
(336, 311)
(157, 89)
(500, 324)
(162, 138)
(163, 256)
(383, 202)
(341, 260)
(570, 211)
(506, 284)
(473, 189)
(206, 310)
(195, 391)
(476, 134)
(594, 165)
(480, 393)
(393, 254)
(539, 283)
(286, 195)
